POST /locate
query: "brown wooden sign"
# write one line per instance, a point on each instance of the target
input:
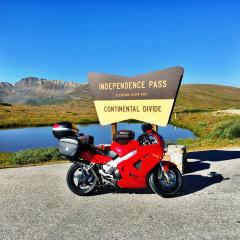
(148, 97)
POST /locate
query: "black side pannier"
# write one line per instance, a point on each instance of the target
(70, 147)
(123, 136)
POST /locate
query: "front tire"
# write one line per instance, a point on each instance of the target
(80, 181)
(166, 187)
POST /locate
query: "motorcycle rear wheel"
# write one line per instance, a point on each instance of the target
(80, 181)
(166, 187)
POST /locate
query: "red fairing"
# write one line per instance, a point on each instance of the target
(122, 150)
(135, 169)
(94, 158)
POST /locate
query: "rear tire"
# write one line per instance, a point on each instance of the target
(163, 187)
(79, 181)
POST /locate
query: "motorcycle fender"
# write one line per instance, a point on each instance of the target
(167, 165)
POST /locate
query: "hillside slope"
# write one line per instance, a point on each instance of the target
(207, 96)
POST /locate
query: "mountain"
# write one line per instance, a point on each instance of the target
(42, 91)
(5, 88)
(38, 90)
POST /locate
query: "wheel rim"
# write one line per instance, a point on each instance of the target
(84, 180)
(167, 180)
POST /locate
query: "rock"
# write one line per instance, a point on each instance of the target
(178, 155)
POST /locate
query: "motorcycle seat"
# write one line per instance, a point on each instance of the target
(123, 137)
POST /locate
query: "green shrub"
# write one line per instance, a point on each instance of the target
(35, 156)
(229, 129)
(5, 104)
(196, 110)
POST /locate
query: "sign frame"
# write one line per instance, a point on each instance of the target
(156, 91)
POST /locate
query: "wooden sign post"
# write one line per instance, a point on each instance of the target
(155, 128)
(114, 129)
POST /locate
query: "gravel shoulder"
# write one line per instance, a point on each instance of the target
(35, 203)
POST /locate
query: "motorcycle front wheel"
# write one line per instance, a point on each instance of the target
(167, 184)
(80, 181)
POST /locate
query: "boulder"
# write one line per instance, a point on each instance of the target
(178, 155)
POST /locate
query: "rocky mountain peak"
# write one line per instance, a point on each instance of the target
(47, 84)
(37, 90)
(5, 85)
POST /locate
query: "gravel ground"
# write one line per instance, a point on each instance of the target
(35, 203)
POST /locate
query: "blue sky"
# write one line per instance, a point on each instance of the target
(67, 39)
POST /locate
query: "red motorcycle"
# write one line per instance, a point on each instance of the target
(126, 163)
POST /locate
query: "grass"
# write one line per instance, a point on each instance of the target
(206, 96)
(20, 115)
(212, 130)
(5, 159)
(208, 143)
(202, 123)
(30, 157)
(228, 129)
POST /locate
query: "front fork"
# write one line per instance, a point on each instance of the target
(164, 171)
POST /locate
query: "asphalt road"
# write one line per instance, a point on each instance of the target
(35, 203)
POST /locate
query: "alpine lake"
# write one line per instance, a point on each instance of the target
(17, 139)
